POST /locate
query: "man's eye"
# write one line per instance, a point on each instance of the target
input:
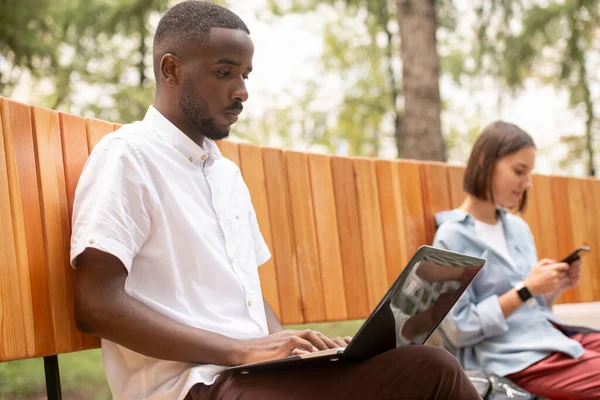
(224, 73)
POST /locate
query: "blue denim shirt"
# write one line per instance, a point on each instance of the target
(475, 330)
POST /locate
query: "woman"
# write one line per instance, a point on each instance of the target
(503, 323)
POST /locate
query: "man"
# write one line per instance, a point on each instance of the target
(166, 247)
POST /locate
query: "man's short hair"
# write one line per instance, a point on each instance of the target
(190, 22)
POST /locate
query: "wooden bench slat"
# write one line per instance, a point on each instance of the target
(583, 216)
(253, 172)
(27, 225)
(543, 204)
(96, 130)
(346, 207)
(392, 217)
(14, 314)
(305, 237)
(531, 214)
(326, 225)
(57, 230)
(436, 194)
(229, 150)
(286, 259)
(371, 230)
(564, 232)
(412, 207)
(593, 264)
(456, 176)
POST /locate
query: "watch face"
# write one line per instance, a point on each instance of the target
(524, 294)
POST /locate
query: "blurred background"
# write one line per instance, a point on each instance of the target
(382, 78)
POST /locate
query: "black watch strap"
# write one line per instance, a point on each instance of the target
(523, 292)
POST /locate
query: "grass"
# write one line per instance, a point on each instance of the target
(82, 373)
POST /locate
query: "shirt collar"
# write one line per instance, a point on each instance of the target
(179, 140)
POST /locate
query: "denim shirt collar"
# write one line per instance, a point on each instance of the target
(468, 220)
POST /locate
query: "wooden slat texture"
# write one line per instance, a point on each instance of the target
(412, 207)
(286, 260)
(564, 228)
(75, 134)
(392, 217)
(531, 213)
(229, 150)
(27, 228)
(371, 229)
(326, 225)
(57, 230)
(96, 130)
(346, 207)
(16, 314)
(253, 172)
(546, 238)
(455, 179)
(583, 217)
(75, 152)
(436, 194)
(593, 263)
(305, 237)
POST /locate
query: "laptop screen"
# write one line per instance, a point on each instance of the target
(418, 301)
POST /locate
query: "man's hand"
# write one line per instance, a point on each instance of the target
(285, 343)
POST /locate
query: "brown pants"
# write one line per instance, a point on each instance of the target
(413, 372)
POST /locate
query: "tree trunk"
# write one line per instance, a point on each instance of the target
(420, 127)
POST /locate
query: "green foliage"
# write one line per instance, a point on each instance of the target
(361, 50)
(552, 42)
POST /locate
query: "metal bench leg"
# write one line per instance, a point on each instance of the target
(52, 378)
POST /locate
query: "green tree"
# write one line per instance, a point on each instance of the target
(364, 45)
(552, 42)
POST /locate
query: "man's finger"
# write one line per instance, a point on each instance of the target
(303, 344)
(340, 342)
(314, 339)
(330, 343)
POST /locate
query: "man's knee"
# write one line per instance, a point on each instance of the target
(427, 357)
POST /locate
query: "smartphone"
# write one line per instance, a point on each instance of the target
(576, 255)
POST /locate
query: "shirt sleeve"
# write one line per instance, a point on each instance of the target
(469, 323)
(260, 247)
(113, 203)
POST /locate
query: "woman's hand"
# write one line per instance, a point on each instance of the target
(546, 277)
(572, 276)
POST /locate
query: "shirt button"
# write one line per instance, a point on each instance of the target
(91, 241)
(191, 159)
(204, 157)
(249, 303)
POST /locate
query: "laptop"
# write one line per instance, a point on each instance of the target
(408, 314)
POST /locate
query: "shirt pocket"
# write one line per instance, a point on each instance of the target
(241, 237)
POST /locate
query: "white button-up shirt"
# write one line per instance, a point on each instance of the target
(180, 219)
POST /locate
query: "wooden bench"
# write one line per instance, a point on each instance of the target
(328, 220)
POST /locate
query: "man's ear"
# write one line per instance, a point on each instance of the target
(170, 69)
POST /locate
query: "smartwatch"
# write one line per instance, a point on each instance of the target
(523, 292)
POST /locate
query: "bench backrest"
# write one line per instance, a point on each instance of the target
(340, 228)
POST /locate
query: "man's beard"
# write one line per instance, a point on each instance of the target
(195, 110)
